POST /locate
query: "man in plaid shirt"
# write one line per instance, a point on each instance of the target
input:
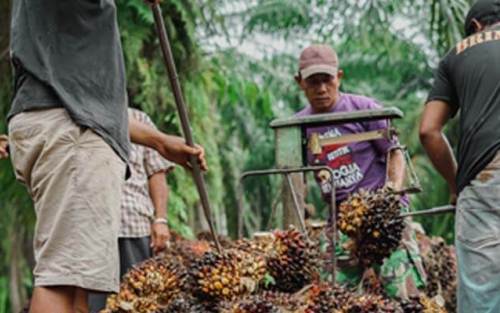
(143, 226)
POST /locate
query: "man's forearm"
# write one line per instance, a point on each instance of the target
(441, 155)
(143, 134)
(158, 191)
(172, 148)
(396, 169)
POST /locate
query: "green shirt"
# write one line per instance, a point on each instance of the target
(68, 54)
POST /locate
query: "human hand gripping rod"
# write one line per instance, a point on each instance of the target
(181, 108)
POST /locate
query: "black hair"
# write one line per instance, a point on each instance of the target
(485, 20)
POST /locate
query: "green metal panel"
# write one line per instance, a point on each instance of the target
(288, 141)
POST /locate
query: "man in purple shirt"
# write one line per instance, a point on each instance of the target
(356, 165)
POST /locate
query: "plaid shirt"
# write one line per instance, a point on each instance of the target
(137, 210)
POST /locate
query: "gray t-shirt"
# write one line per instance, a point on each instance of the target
(68, 54)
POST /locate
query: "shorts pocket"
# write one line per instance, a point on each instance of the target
(478, 215)
(25, 143)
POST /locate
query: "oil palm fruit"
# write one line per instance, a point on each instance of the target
(373, 221)
(369, 303)
(252, 266)
(294, 260)
(149, 286)
(323, 298)
(440, 264)
(352, 213)
(217, 276)
(253, 304)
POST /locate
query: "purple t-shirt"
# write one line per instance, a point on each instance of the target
(355, 165)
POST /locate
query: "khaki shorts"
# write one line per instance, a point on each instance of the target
(75, 180)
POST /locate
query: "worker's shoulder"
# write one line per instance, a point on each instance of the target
(360, 102)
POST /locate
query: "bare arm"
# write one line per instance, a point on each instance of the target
(172, 148)
(396, 169)
(158, 191)
(4, 143)
(434, 118)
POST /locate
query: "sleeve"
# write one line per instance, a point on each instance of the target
(443, 88)
(381, 145)
(153, 161)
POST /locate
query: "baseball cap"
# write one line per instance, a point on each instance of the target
(480, 10)
(318, 59)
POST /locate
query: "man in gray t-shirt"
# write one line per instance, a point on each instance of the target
(467, 81)
(69, 140)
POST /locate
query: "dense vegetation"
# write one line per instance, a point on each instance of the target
(236, 60)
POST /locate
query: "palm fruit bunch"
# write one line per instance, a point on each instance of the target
(352, 213)
(412, 305)
(253, 268)
(440, 264)
(430, 305)
(421, 304)
(323, 298)
(375, 228)
(286, 302)
(186, 303)
(262, 243)
(371, 283)
(217, 276)
(369, 303)
(448, 274)
(187, 251)
(294, 260)
(252, 304)
(148, 286)
(127, 301)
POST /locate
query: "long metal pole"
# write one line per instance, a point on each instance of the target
(437, 210)
(181, 108)
(333, 220)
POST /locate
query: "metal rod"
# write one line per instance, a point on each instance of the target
(181, 108)
(275, 171)
(333, 219)
(241, 208)
(296, 206)
(274, 208)
(437, 210)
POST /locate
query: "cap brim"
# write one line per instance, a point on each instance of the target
(318, 69)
